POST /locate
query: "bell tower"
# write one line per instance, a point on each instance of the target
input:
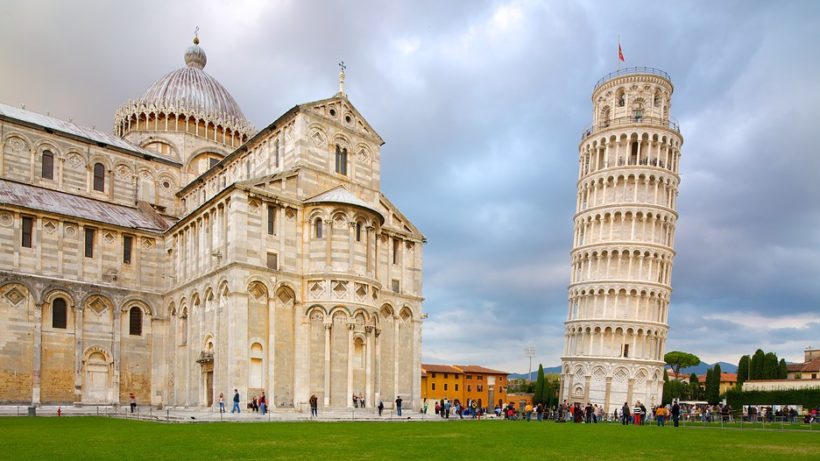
(623, 244)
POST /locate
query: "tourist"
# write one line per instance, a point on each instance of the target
(539, 412)
(398, 405)
(588, 413)
(528, 411)
(314, 405)
(424, 407)
(361, 400)
(643, 413)
(235, 402)
(263, 404)
(132, 400)
(660, 415)
(597, 413)
(381, 406)
(355, 401)
(625, 414)
(675, 413)
(221, 402)
(437, 408)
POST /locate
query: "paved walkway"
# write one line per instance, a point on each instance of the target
(198, 414)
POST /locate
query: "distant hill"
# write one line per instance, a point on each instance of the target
(700, 369)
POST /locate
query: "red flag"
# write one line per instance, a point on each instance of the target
(620, 53)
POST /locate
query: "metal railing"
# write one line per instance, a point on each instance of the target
(632, 120)
(631, 71)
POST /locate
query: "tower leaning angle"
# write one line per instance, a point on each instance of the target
(623, 243)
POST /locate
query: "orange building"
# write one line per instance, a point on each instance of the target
(463, 383)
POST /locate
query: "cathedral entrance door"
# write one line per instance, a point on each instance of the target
(209, 386)
(95, 387)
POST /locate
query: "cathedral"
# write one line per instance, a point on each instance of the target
(188, 254)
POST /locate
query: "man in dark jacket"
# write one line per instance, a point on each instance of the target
(675, 413)
(398, 405)
(625, 414)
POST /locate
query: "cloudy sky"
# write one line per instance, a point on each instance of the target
(481, 104)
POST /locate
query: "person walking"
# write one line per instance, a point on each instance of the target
(675, 413)
(398, 405)
(221, 402)
(263, 404)
(314, 405)
(381, 406)
(625, 414)
(660, 415)
(132, 400)
(235, 402)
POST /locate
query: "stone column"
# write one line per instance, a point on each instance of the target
(78, 353)
(328, 223)
(38, 354)
(629, 390)
(368, 370)
(115, 354)
(350, 326)
(327, 325)
(587, 383)
(396, 319)
(608, 394)
(378, 363)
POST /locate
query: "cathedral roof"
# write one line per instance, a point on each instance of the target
(341, 195)
(73, 130)
(37, 198)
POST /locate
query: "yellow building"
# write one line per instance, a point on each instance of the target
(463, 382)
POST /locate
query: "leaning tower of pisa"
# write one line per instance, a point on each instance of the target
(623, 246)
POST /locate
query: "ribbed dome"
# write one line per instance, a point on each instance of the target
(191, 89)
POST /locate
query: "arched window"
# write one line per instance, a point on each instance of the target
(48, 165)
(99, 177)
(620, 98)
(657, 101)
(256, 366)
(604, 119)
(317, 228)
(59, 313)
(359, 231)
(341, 160)
(135, 321)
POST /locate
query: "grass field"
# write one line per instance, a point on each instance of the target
(93, 438)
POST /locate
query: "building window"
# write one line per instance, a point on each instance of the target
(445, 386)
(396, 248)
(89, 242)
(127, 245)
(341, 160)
(469, 388)
(273, 261)
(434, 375)
(433, 386)
(59, 314)
(48, 165)
(27, 228)
(446, 375)
(456, 386)
(396, 286)
(480, 388)
(317, 228)
(271, 219)
(470, 377)
(99, 177)
(626, 350)
(358, 231)
(135, 321)
(480, 377)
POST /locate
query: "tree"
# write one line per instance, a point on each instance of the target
(666, 397)
(713, 386)
(678, 360)
(539, 395)
(783, 370)
(707, 384)
(757, 364)
(770, 366)
(694, 387)
(743, 369)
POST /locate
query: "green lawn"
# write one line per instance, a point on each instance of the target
(92, 438)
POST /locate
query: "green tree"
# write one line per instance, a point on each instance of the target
(539, 395)
(743, 369)
(782, 370)
(769, 366)
(666, 397)
(757, 364)
(713, 386)
(694, 387)
(678, 360)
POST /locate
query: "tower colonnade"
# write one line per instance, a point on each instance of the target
(623, 243)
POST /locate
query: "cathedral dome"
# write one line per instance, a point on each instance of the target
(190, 87)
(190, 92)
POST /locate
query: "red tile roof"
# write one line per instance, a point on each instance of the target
(724, 378)
(435, 368)
(480, 370)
